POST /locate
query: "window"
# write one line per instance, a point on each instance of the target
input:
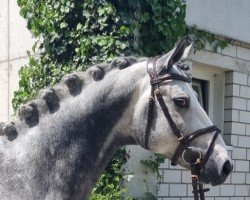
(201, 89)
(209, 84)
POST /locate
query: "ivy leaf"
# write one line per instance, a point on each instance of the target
(144, 17)
(86, 13)
(79, 26)
(101, 11)
(63, 25)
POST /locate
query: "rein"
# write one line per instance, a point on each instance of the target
(184, 146)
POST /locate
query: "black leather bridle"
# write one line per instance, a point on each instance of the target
(200, 161)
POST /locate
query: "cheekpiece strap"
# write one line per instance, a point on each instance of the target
(153, 76)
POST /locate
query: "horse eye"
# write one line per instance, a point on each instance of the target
(181, 101)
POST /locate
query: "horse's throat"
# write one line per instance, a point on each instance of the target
(92, 140)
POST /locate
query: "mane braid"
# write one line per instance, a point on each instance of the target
(48, 100)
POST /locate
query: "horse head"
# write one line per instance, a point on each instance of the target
(169, 119)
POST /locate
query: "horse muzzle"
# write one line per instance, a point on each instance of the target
(211, 165)
(216, 172)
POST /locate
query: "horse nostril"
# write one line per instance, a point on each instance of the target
(227, 168)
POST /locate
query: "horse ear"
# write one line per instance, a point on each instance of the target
(186, 51)
(179, 53)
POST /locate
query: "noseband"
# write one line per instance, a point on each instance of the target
(184, 141)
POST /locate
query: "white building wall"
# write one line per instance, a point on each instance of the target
(15, 40)
(228, 18)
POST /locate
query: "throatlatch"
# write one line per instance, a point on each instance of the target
(184, 145)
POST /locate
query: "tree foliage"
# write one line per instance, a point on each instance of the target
(71, 35)
(157, 24)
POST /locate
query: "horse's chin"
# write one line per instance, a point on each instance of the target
(219, 181)
(214, 181)
(212, 177)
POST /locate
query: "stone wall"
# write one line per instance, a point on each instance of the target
(15, 40)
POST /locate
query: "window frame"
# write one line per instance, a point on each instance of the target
(216, 79)
(197, 83)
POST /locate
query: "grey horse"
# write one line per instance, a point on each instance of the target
(62, 141)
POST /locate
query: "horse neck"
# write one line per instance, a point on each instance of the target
(65, 153)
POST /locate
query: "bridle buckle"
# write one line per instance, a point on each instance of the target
(198, 161)
(157, 91)
(180, 138)
(151, 98)
(193, 176)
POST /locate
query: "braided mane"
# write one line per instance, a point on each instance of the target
(48, 100)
